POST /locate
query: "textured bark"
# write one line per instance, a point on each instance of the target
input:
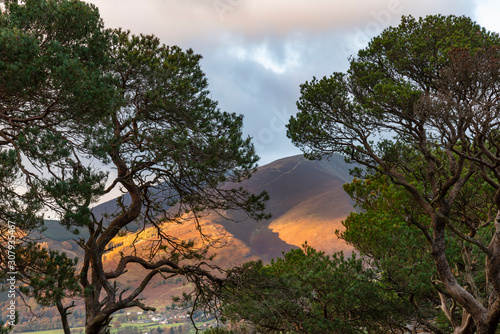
(63, 311)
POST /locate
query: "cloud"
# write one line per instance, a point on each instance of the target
(265, 97)
(487, 13)
(272, 33)
(258, 52)
(180, 20)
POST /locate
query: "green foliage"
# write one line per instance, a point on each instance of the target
(49, 49)
(13, 206)
(386, 236)
(414, 109)
(53, 86)
(307, 291)
(381, 94)
(50, 275)
(52, 81)
(78, 100)
(393, 241)
(171, 129)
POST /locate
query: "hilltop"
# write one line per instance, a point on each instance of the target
(307, 203)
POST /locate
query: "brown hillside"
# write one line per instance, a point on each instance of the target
(307, 203)
(315, 221)
(229, 252)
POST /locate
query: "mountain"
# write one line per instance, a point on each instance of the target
(307, 203)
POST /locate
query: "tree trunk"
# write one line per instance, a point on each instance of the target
(467, 325)
(97, 321)
(64, 317)
(98, 325)
(486, 329)
(475, 315)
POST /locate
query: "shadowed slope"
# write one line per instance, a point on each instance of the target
(307, 203)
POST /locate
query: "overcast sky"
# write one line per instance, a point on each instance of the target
(256, 53)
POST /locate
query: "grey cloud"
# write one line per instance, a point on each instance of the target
(179, 20)
(297, 39)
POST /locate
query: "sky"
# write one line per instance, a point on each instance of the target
(257, 53)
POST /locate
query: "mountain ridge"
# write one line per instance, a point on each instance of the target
(298, 189)
(307, 202)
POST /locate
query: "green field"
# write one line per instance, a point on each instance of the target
(145, 327)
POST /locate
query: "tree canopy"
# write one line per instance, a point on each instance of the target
(52, 55)
(308, 291)
(420, 106)
(50, 278)
(77, 101)
(52, 81)
(385, 231)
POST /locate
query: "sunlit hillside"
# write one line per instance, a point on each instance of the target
(307, 203)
